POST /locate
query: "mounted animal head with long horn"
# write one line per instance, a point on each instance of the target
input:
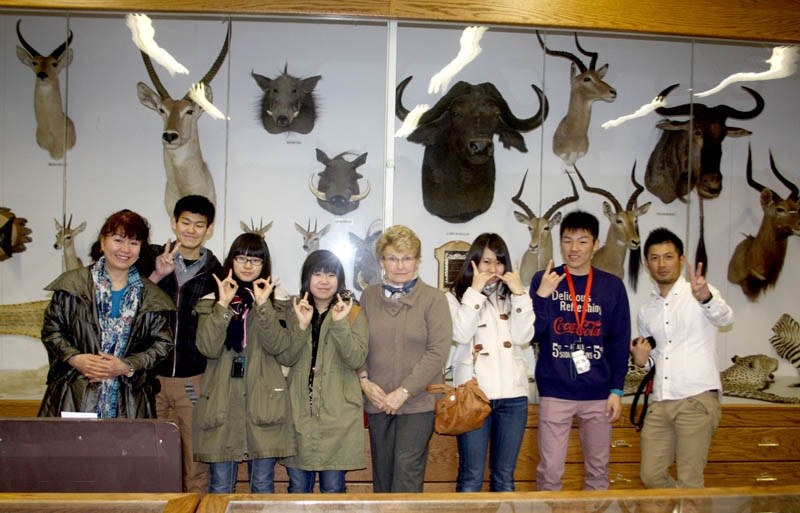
(540, 247)
(623, 232)
(187, 172)
(55, 131)
(311, 238)
(757, 261)
(65, 239)
(570, 140)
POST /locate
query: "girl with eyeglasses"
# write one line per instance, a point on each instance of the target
(243, 413)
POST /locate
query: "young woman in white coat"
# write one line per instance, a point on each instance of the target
(493, 317)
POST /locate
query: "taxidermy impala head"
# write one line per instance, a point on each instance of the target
(458, 168)
(288, 103)
(668, 175)
(187, 173)
(586, 86)
(65, 238)
(55, 132)
(757, 261)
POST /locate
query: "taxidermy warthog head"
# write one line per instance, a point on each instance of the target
(288, 103)
(458, 166)
(366, 268)
(338, 191)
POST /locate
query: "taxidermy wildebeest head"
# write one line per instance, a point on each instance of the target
(55, 131)
(288, 103)
(458, 167)
(13, 233)
(366, 268)
(338, 191)
(668, 175)
(757, 261)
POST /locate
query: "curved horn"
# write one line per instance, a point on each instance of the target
(638, 188)
(361, 196)
(558, 53)
(789, 185)
(31, 50)
(69, 223)
(749, 173)
(63, 46)
(316, 192)
(209, 76)
(678, 110)
(517, 201)
(461, 88)
(400, 111)
(563, 201)
(522, 125)
(593, 55)
(151, 72)
(740, 114)
(598, 190)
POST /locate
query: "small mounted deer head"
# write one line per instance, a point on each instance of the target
(311, 237)
(65, 239)
(261, 230)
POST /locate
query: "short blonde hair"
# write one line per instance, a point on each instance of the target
(401, 238)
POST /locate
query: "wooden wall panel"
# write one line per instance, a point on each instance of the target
(774, 20)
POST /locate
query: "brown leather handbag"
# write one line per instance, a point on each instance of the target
(460, 409)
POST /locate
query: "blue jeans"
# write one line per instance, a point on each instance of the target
(261, 472)
(504, 429)
(302, 481)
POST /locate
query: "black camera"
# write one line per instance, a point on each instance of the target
(237, 369)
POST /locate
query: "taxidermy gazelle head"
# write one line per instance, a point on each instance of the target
(311, 238)
(187, 172)
(55, 132)
(586, 85)
(65, 239)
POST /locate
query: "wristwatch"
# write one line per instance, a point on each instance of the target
(130, 372)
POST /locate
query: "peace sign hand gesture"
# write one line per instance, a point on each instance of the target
(550, 281)
(341, 309)
(700, 289)
(513, 280)
(303, 310)
(165, 262)
(227, 289)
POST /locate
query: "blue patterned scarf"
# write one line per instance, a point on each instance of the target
(115, 332)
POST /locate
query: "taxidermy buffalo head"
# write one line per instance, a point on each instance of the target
(288, 103)
(458, 167)
(338, 191)
(668, 175)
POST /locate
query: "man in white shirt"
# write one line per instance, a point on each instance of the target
(682, 317)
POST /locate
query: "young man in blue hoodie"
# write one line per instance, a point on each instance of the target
(583, 328)
(184, 271)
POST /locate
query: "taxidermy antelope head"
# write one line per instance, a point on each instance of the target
(311, 237)
(586, 86)
(187, 172)
(261, 230)
(757, 261)
(65, 238)
(540, 247)
(623, 232)
(55, 132)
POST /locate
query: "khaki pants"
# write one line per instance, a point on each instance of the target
(680, 431)
(174, 403)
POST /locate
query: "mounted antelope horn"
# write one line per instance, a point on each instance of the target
(151, 72)
(63, 46)
(69, 223)
(598, 190)
(593, 55)
(563, 201)
(749, 172)
(559, 53)
(400, 111)
(208, 77)
(638, 188)
(31, 50)
(789, 185)
(517, 201)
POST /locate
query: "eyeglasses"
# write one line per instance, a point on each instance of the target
(254, 261)
(396, 260)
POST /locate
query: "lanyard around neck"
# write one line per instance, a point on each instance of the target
(580, 318)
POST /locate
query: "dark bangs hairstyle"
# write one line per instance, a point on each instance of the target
(133, 226)
(485, 240)
(248, 244)
(324, 261)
